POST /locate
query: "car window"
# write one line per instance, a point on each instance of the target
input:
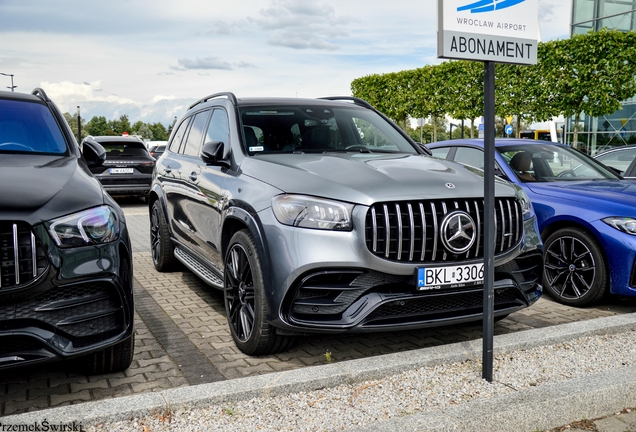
(317, 128)
(440, 152)
(115, 149)
(195, 136)
(619, 159)
(29, 127)
(219, 128)
(178, 136)
(553, 163)
(470, 156)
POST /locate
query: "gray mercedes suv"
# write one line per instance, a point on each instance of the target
(321, 215)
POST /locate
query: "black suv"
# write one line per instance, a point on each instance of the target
(321, 215)
(127, 170)
(65, 254)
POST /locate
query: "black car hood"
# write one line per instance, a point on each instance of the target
(36, 188)
(367, 178)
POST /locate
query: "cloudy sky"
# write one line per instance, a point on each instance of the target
(150, 59)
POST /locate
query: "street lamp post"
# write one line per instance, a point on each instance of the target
(9, 75)
(452, 125)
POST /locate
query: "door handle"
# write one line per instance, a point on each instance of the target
(193, 176)
(167, 170)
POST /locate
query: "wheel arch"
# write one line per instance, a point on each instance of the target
(238, 218)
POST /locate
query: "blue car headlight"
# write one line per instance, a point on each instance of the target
(88, 227)
(526, 205)
(624, 224)
(309, 212)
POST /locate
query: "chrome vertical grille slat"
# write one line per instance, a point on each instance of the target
(398, 213)
(411, 231)
(435, 232)
(388, 230)
(16, 254)
(387, 237)
(34, 259)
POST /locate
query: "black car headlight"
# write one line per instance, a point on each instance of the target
(309, 212)
(93, 226)
(624, 224)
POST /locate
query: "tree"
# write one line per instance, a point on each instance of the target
(98, 126)
(144, 132)
(120, 126)
(466, 91)
(589, 73)
(159, 132)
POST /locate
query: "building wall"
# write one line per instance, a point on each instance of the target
(618, 128)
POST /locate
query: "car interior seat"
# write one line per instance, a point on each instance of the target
(250, 137)
(541, 168)
(521, 163)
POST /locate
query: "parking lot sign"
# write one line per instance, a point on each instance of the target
(502, 31)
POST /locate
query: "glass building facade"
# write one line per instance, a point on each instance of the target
(618, 128)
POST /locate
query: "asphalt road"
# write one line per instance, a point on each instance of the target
(182, 339)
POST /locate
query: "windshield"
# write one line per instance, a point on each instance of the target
(29, 127)
(543, 163)
(319, 129)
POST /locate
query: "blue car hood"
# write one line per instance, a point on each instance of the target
(611, 197)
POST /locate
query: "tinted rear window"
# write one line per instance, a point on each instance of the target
(29, 127)
(117, 149)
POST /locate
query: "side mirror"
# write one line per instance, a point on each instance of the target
(94, 153)
(212, 153)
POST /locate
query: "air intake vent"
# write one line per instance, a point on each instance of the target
(412, 231)
(21, 256)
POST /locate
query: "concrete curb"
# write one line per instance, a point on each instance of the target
(589, 397)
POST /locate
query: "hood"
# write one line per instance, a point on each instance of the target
(36, 188)
(615, 197)
(365, 178)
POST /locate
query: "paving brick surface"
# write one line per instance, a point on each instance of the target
(183, 313)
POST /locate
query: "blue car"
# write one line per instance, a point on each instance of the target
(586, 214)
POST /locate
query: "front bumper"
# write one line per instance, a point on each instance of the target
(80, 302)
(324, 281)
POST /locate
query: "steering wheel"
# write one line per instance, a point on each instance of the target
(357, 147)
(567, 173)
(17, 146)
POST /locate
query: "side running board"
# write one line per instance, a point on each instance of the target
(208, 276)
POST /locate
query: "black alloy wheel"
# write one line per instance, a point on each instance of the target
(575, 271)
(245, 302)
(160, 244)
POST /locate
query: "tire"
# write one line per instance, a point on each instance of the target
(113, 359)
(575, 272)
(244, 297)
(160, 244)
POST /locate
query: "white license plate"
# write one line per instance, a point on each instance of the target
(452, 276)
(121, 170)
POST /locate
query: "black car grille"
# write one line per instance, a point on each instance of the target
(22, 258)
(444, 306)
(410, 231)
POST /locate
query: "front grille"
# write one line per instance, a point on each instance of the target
(22, 258)
(448, 305)
(410, 231)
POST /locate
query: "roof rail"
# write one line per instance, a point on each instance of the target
(355, 100)
(228, 95)
(39, 92)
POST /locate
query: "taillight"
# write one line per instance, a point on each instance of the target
(148, 163)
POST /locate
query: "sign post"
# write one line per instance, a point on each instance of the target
(491, 31)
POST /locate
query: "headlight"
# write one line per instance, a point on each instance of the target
(308, 212)
(526, 205)
(88, 227)
(625, 224)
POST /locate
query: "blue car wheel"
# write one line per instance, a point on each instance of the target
(575, 270)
